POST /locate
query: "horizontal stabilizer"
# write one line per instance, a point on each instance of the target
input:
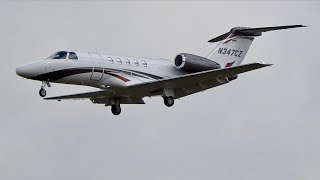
(246, 31)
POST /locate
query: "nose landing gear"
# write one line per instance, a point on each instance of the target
(42, 91)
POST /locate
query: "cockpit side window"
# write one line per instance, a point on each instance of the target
(73, 56)
(59, 55)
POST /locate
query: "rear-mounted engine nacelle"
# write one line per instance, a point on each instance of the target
(192, 63)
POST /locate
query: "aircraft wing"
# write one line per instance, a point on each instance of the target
(105, 97)
(87, 95)
(194, 78)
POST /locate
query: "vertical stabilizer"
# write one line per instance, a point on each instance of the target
(235, 44)
(231, 51)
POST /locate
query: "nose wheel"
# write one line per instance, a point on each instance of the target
(42, 92)
(168, 101)
(116, 109)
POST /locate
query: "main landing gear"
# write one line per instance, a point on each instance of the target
(116, 109)
(42, 91)
(168, 101)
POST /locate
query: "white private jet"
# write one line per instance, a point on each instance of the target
(126, 80)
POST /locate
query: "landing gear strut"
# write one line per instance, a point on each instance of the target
(168, 101)
(116, 109)
(42, 91)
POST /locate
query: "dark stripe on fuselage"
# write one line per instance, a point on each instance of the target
(56, 75)
(130, 72)
(118, 76)
(149, 75)
(126, 72)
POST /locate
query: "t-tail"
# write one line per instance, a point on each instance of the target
(235, 44)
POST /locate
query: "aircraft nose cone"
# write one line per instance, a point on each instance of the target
(23, 71)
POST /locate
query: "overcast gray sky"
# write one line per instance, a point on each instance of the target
(265, 125)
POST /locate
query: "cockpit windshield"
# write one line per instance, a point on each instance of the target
(64, 55)
(59, 55)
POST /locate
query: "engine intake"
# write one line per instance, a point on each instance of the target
(192, 63)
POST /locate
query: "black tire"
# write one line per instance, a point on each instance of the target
(116, 109)
(168, 101)
(42, 92)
